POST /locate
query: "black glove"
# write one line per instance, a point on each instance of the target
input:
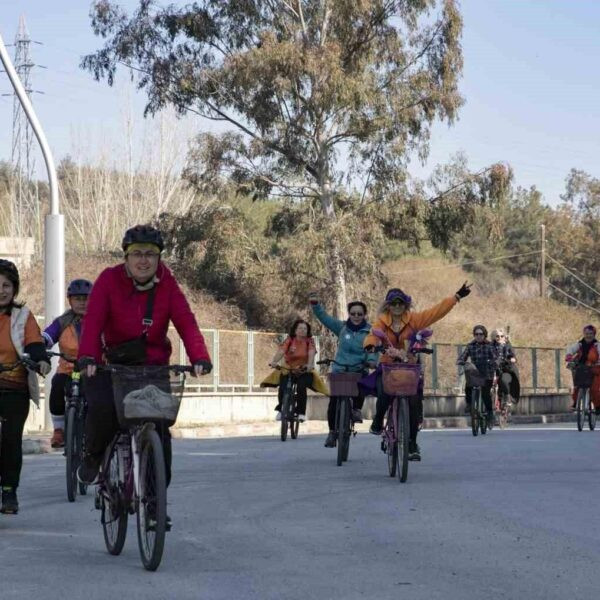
(83, 362)
(206, 365)
(464, 291)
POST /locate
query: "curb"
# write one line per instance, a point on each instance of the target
(40, 444)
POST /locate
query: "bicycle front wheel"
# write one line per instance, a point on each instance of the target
(114, 512)
(152, 505)
(581, 409)
(475, 411)
(343, 429)
(403, 434)
(71, 452)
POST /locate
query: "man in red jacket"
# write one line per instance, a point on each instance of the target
(116, 317)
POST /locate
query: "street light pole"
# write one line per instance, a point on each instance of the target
(54, 238)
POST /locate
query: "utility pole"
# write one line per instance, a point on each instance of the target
(543, 264)
(54, 236)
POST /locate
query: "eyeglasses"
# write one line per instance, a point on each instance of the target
(355, 314)
(147, 255)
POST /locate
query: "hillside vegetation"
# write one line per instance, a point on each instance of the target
(533, 321)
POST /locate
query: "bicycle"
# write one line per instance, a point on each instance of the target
(501, 401)
(75, 412)
(583, 377)
(133, 472)
(401, 381)
(479, 417)
(289, 416)
(344, 387)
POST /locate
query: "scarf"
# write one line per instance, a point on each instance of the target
(352, 327)
(585, 349)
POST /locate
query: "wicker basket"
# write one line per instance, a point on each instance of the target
(344, 384)
(133, 406)
(401, 379)
(583, 376)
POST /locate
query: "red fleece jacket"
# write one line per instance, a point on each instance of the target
(115, 311)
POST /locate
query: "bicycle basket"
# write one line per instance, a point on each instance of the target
(401, 379)
(146, 393)
(583, 376)
(474, 378)
(344, 384)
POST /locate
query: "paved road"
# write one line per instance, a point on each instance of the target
(509, 515)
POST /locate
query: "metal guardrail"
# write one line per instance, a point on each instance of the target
(240, 360)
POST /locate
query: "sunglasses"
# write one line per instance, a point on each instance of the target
(479, 333)
(498, 337)
(396, 303)
(357, 314)
(147, 255)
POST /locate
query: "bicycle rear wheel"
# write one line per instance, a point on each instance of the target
(71, 452)
(580, 409)
(343, 431)
(403, 434)
(475, 411)
(152, 506)
(114, 512)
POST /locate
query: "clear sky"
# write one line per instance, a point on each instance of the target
(531, 83)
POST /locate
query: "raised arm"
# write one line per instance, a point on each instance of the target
(330, 322)
(425, 318)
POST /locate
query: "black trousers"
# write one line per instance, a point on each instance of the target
(357, 403)
(14, 408)
(486, 394)
(415, 409)
(302, 382)
(101, 422)
(58, 392)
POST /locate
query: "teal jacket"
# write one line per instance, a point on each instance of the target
(350, 347)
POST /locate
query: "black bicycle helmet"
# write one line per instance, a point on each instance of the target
(79, 287)
(142, 234)
(481, 328)
(10, 271)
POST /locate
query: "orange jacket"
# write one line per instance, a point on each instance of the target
(411, 323)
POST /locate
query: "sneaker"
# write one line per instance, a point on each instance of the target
(58, 439)
(152, 523)
(88, 471)
(10, 504)
(375, 429)
(278, 415)
(330, 441)
(301, 418)
(357, 415)
(414, 452)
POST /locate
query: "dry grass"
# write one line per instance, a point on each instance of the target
(533, 321)
(209, 312)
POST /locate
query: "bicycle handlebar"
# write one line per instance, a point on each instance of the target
(178, 369)
(328, 361)
(25, 360)
(62, 355)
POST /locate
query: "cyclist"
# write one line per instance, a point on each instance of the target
(398, 322)
(586, 352)
(298, 351)
(19, 334)
(121, 297)
(484, 357)
(65, 330)
(351, 335)
(507, 373)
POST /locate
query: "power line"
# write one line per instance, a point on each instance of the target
(573, 274)
(572, 297)
(470, 262)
